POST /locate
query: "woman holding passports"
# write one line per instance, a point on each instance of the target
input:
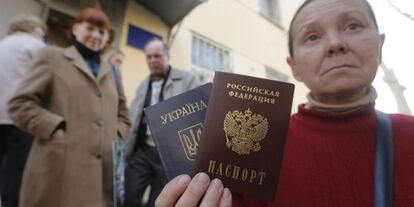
(340, 151)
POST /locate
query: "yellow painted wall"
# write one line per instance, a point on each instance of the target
(134, 68)
(238, 27)
(253, 40)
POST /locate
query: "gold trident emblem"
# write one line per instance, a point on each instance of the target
(190, 139)
(244, 131)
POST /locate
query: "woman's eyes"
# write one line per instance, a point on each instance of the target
(315, 34)
(353, 26)
(311, 37)
(91, 28)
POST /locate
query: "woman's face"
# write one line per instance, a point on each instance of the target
(336, 46)
(92, 36)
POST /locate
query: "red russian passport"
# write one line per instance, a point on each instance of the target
(244, 133)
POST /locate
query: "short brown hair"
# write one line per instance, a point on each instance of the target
(95, 17)
(26, 23)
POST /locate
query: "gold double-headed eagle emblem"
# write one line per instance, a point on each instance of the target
(244, 131)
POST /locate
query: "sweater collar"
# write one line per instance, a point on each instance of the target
(86, 53)
(367, 99)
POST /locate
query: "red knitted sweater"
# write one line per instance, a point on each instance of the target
(329, 161)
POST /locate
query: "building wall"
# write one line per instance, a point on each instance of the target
(134, 68)
(254, 41)
(10, 8)
(238, 27)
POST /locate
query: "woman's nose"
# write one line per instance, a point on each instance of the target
(96, 34)
(336, 44)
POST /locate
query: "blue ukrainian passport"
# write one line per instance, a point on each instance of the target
(176, 126)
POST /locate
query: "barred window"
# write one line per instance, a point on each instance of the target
(208, 55)
(270, 9)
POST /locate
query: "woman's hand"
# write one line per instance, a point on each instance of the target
(183, 192)
(59, 134)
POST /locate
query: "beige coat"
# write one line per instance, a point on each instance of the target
(74, 169)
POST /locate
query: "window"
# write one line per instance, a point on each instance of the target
(138, 37)
(270, 9)
(275, 75)
(208, 55)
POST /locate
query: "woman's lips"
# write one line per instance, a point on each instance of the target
(339, 67)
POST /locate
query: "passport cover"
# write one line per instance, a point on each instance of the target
(176, 125)
(244, 133)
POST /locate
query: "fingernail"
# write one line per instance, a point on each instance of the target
(216, 184)
(202, 178)
(183, 179)
(226, 193)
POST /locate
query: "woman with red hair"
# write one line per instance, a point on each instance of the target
(72, 106)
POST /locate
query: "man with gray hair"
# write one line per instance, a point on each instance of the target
(24, 40)
(143, 163)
